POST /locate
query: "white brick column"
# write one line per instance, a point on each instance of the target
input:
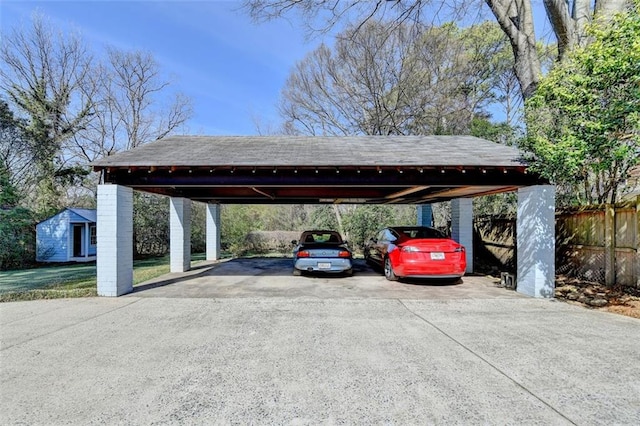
(462, 226)
(114, 235)
(213, 231)
(180, 234)
(425, 215)
(536, 241)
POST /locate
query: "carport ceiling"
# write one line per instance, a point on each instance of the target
(309, 170)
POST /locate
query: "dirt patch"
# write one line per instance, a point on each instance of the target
(619, 300)
(632, 309)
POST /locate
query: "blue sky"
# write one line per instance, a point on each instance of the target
(232, 68)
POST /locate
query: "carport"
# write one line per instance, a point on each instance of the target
(416, 170)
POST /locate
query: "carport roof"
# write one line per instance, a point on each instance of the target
(308, 169)
(317, 151)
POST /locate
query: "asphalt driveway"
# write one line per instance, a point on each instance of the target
(149, 358)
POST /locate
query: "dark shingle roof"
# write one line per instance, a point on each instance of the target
(317, 151)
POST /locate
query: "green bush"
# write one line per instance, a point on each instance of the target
(17, 227)
(365, 221)
(150, 224)
(17, 238)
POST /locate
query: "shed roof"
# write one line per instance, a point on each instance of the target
(90, 215)
(307, 169)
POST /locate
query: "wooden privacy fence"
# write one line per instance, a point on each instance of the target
(597, 243)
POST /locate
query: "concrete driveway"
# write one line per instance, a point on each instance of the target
(250, 356)
(272, 277)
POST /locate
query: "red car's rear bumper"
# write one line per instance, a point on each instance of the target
(420, 265)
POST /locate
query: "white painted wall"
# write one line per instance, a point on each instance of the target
(213, 231)
(52, 238)
(180, 234)
(536, 240)
(462, 226)
(115, 240)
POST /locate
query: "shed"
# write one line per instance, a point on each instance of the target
(68, 236)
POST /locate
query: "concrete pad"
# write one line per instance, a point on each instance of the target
(302, 360)
(272, 277)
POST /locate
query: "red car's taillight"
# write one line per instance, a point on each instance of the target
(458, 249)
(409, 249)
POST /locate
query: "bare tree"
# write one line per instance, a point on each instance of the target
(568, 19)
(379, 82)
(43, 74)
(134, 105)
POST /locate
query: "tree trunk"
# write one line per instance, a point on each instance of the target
(607, 8)
(563, 24)
(516, 20)
(570, 26)
(336, 211)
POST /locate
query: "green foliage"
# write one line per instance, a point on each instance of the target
(198, 228)
(236, 222)
(365, 221)
(243, 225)
(496, 204)
(13, 159)
(323, 217)
(8, 193)
(584, 119)
(17, 224)
(505, 134)
(17, 238)
(150, 224)
(17, 227)
(501, 133)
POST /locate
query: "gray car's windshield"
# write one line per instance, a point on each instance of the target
(321, 238)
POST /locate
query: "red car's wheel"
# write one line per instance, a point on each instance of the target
(388, 270)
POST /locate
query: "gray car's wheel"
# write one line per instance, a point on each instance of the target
(388, 270)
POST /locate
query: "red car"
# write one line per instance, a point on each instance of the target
(415, 252)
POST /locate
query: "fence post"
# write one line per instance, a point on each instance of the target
(609, 244)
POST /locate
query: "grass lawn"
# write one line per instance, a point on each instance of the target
(75, 280)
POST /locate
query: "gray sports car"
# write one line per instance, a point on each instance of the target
(322, 251)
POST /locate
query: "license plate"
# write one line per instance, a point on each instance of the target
(324, 265)
(437, 256)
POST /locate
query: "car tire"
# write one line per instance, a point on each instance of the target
(388, 270)
(348, 273)
(297, 272)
